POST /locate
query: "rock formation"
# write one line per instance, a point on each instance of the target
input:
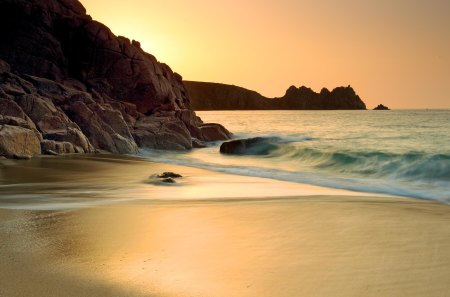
(381, 107)
(249, 146)
(68, 84)
(214, 96)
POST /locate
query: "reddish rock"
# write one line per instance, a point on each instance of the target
(105, 127)
(214, 132)
(162, 133)
(18, 142)
(81, 88)
(50, 147)
(56, 40)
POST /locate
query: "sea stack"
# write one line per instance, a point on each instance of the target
(381, 107)
(72, 86)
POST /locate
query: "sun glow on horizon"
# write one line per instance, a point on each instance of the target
(391, 53)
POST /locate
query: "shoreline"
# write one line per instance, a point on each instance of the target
(317, 243)
(74, 181)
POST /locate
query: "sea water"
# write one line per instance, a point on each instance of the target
(400, 152)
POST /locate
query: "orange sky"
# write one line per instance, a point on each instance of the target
(392, 52)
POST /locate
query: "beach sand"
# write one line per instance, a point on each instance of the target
(96, 226)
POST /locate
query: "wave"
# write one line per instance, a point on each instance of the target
(409, 166)
(413, 174)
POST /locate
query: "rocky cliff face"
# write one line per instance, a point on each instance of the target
(213, 96)
(70, 85)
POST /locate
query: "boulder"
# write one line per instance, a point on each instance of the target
(52, 122)
(105, 127)
(249, 146)
(214, 132)
(50, 147)
(73, 136)
(162, 133)
(14, 121)
(10, 108)
(18, 142)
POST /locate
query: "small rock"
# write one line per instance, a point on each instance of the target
(170, 175)
(51, 152)
(168, 180)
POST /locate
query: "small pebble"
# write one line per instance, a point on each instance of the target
(168, 180)
(169, 175)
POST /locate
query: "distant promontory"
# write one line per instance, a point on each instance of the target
(216, 96)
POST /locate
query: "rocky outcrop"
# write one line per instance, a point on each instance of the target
(57, 40)
(79, 88)
(381, 107)
(214, 96)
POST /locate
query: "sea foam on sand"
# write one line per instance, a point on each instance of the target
(305, 245)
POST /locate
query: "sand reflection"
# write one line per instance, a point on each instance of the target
(350, 247)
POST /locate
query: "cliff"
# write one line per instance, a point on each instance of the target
(68, 84)
(214, 96)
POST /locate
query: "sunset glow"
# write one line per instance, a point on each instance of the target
(396, 53)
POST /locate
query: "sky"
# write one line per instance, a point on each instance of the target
(395, 52)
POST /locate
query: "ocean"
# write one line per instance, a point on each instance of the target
(307, 212)
(399, 152)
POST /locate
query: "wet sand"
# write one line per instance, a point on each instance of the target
(175, 241)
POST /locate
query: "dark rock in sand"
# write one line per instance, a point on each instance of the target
(73, 81)
(169, 175)
(249, 146)
(168, 180)
(381, 107)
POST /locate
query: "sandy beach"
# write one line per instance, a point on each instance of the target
(312, 244)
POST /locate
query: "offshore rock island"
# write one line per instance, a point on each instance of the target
(69, 85)
(216, 96)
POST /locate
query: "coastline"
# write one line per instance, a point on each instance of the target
(315, 244)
